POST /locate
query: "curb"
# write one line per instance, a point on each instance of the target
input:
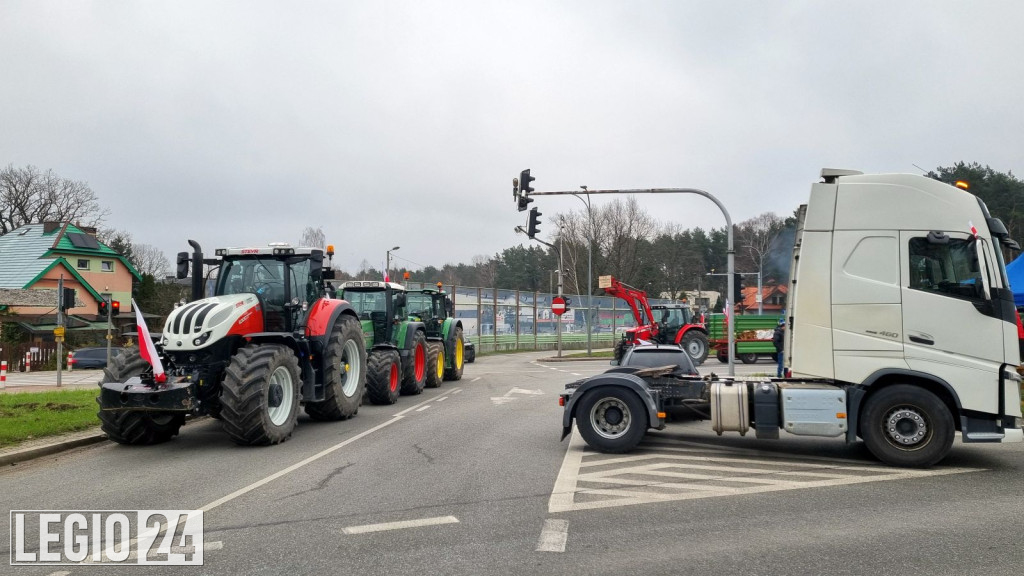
(38, 451)
(564, 359)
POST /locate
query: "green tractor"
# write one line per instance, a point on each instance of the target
(397, 347)
(444, 332)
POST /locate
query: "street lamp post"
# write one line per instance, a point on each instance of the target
(590, 267)
(387, 267)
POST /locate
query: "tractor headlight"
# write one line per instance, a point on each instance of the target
(201, 339)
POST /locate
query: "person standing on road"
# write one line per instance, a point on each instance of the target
(779, 340)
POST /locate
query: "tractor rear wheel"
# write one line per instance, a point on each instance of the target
(435, 364)
(415, 370)
(458, 357)
(133, 427)
(260, 395)
(382, 376)
(695, 343)
(344, 373)
(619, 350)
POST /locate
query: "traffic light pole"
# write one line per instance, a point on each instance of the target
(558, 321)
(524, 196)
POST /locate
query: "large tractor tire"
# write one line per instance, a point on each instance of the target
(414, 373)
(695, 343)
(131, 427)
(904, 425)
(382, 376)
(458, 358)
(344, 373)
(611, 419)
(619, 350)
(435, 364)
(260, 395)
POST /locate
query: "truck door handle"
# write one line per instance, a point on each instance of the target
(921, 340)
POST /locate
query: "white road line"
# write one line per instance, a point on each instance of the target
(553, 536)
(64, 573)
(442, 398)
(475, 379)
(575, 374)
(310, 460)
(457, 390)
(423, 408)
(401, 525)
(563, 495)
(208, 546)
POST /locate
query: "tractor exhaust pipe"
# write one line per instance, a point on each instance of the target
(197, 268)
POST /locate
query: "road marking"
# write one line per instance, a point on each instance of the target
(575, 374)
(442, 398)
(553, 536)
(507, 397)
(208, 546)
(457, 390)
(310, 460)
(401, 525)
(475, 379)
(656, 472)
(64, 573)
(423, 408)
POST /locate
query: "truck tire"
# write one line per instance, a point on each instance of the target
(435, 364)
(748, 358)
(458, 358)
(133, 427)
(611, 420)
(696, 345)
(908, 426)
(414, 373)
(382, 376)
(344, 373)
(260, 395)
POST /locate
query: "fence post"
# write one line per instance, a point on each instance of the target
(494, 318)
(536, 317)
(28, 361)
(517, 319)
(3, 374)
(71, 361)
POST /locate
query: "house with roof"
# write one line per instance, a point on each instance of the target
(773, 299)
(35, 257)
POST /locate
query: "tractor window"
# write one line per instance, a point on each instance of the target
(366, 302)
(302, 286)
(420, 305)
(263, 276)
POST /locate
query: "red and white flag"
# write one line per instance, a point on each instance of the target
(974, 231)
(147, 348)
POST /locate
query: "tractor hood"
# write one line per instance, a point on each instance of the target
(201, 323)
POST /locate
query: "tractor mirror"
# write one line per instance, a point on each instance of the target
(182, 265)
(327, 274)
(400, 300)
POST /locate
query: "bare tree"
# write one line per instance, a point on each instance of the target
(150, 260)
(487, 268)
(620, 227)
(755, 237)
(28, 195)
(314, 237)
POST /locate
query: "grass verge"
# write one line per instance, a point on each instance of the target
(29, 415)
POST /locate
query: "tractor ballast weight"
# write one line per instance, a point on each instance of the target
(269, 340)
(397, 351)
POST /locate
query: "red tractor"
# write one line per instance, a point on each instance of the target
(662, 324)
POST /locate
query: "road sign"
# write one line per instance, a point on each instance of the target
(58, 331)
(558, 305)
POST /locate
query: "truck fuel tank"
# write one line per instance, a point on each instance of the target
(730, 407)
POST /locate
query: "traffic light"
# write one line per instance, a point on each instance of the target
(532, 229)
(67, 299)
(737, 291)
(568, 303)
(103, 308)
(525, 189)
(115, 308)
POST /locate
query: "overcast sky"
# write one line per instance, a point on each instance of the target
(403, 123)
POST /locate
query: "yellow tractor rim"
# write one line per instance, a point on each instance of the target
(440, 364)
(458, 354)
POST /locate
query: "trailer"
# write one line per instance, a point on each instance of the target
(901, 331)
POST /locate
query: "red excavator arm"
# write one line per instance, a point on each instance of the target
(637, 300)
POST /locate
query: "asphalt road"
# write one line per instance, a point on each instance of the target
(476, 471)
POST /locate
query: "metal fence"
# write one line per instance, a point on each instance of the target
(495, 319)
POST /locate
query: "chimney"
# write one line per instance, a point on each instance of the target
(50, 227)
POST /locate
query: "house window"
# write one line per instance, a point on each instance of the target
(107, 265)
(83, 264)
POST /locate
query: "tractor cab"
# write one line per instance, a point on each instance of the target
(431, 307)
(670, 319)
(381, 307)
(286, 280)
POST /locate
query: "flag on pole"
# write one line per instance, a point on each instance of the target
(147, 348)
(726, 309)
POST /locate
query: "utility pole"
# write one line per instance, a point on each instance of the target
(59, 332)
(558, 318)
(590, 268)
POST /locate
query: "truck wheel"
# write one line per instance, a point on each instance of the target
(696, 345)
(722, 357)
(748, 358)
(132, 427)
(904, 425)
(458, 358)
(415, 371)
(344, 373)
(435, 364)
(611, 420)
(260, 395)
(382, 376)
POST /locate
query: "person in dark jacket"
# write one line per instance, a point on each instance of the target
(779, 340)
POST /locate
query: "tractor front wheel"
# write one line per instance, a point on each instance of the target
(260, 395)
(344, 373)
(696, 345)
(435, 364)
(134, 427)
(382, 376)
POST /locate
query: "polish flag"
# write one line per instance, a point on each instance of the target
(147, 348)
(726, 309)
